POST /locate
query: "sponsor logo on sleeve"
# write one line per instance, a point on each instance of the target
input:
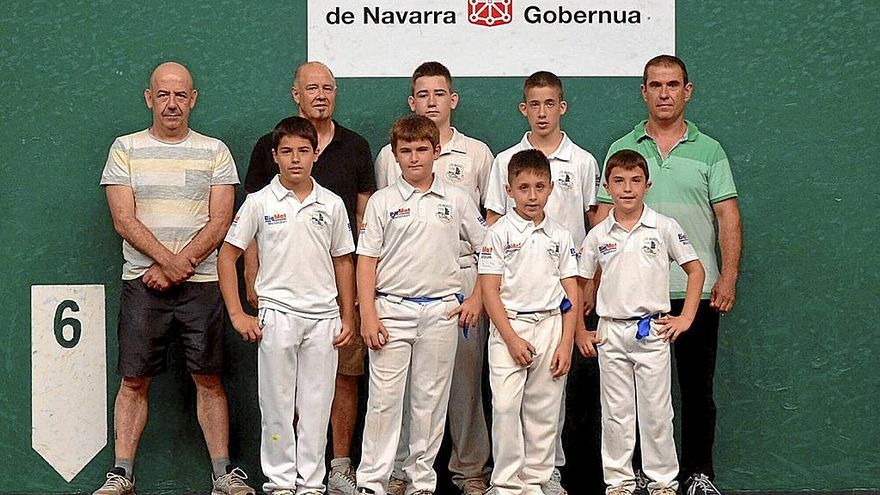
(481, 220)
(683, 239)
(275, 219)
(235, 220)
(486, 252)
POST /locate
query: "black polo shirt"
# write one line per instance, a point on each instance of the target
(345, 167)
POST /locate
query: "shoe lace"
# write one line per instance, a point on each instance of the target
(641, 481)
(348, 477)
(664, 491)
(620, 490)
(702, 482)
(116, 481)
(235, 477)
(397, 483)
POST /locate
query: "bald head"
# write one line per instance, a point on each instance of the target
(171, 97)
(312, 66)
(314, 91)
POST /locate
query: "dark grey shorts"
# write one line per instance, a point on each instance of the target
(192, 312)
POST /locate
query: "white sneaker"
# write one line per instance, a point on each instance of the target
(116, 485)
(342, 482)
(700, 484)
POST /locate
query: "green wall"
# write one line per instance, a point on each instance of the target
(789, 88)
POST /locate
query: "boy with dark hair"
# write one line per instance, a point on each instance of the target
(528, 268)
(304, 245)
(634, 246)
(408, 286)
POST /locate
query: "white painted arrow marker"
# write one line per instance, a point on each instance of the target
(68, 375)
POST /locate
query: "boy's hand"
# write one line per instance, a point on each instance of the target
(374, 333)
(673, 326)
(247, 326)
(468, 312)
(561, 362)
(521, 350)
(586, 341)
(346, 335)
(155, 279)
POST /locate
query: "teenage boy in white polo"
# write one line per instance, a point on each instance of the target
(634, 246)
(304, 244)
(575, 176)
(408, 279)
(528, 270)
(464, 162)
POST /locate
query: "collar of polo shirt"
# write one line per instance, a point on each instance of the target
(563, 151)
(455, 145)
(690, 133)
(521, 224)
(280, 192)
(407, 190)
(648, 219)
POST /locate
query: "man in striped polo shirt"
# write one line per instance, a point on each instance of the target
(171, 192)
(692, 183)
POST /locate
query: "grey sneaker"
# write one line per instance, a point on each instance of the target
(699, 484)
(232, 483)
(342, 482)
(284, 491)
(641, 483)
(116, 485)
(423, 492)
(666, 490)
(396, 486)
(554, 486)
(623, 489)
(474, 486)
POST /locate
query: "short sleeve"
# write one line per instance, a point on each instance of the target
(341, 240)
(492, 254)
(244, 224)
(496, 197)
(116, 170)
(721, 185)
(224, 167)
(590, 181)
(568, 259)
(587, 258)
(371, 235)
(679, 246)
(473, 226)
(386, 165)
(484, 162)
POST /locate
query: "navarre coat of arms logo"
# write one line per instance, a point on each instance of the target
(490, 12)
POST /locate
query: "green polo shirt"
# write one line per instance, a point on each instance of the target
(685, 185)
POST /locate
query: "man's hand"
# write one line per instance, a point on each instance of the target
(522, 352)
(723, 295)
(468, 312)
(247, 326)
(374, 333)
(177, 268)
(155, 279)
(673, 327)
(345, 336)
(586, 341)
(561, 362)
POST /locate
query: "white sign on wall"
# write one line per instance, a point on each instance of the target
(68, 375)
(389, 38)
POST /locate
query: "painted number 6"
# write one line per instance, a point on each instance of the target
(73, 323)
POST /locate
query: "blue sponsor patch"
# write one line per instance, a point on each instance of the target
(400, 213)
(683, 238)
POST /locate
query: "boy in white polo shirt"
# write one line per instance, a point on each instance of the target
(464, 162)
(408, 279)
(634, 246)
(575, 175)
(528, 270)
(305, 286)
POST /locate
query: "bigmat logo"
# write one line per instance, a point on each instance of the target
(490, 12)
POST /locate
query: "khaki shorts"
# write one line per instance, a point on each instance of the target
(351, 357)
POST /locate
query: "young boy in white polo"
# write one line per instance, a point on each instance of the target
(464, 162)
(305, 285)
(408, 280)
(528, 270)
(575, 175)
(634, 246)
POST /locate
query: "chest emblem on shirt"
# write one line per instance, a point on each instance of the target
(454, 172)
(319, 219)
(275, 219)
(399, 213)
(565, 179)
(651, 246)
(553, 250)
(512, 247)
(444, 212)
(607, 248)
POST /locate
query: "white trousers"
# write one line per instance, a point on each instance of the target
(466, 418)
(525, 408)
(420, 352)
(296, 370)
(635, 378)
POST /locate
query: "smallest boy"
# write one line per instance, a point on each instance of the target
(528, 268)
(634, 246)
(305, 247)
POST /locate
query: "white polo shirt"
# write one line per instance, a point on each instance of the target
(415, 236)
(635, 264)
(296, 244)
(575, 174)
(531, 259)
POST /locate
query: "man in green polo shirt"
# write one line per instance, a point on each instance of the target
(692, 183)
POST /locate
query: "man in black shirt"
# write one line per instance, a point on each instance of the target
(345, 166)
